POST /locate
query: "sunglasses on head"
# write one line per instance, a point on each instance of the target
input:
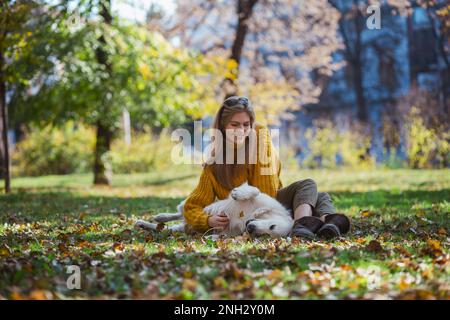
(232, 101)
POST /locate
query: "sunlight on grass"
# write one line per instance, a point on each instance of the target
(400, 232)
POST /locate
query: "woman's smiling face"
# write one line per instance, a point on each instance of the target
(238, 127)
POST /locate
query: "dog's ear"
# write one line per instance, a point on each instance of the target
(259, 212)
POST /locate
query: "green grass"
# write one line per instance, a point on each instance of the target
(400, 240)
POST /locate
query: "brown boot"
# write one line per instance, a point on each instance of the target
(306, 227)
(336, 225)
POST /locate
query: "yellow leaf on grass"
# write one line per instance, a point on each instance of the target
(420, 213)
(275, 274)
(40, 295)
(366, 213)
(353, 285)
(5, 251)
(427, 273)
(189, 284)
(17, 296)
(434, 244)
(219, 282)
(403, 284)
(346, 267)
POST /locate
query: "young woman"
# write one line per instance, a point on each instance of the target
(313, 211)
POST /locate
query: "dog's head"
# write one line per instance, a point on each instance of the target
(270, 219)
(274, 224)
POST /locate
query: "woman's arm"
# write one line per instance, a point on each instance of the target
(265, 173)
(202, 196)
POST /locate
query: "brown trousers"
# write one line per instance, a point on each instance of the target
(305, 191)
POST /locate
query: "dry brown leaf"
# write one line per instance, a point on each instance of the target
(189, 284)
(374, 246)
(403, 251)
(40, 295)
(118, 246)
(275, 274)
(17, 296)
(126, 233)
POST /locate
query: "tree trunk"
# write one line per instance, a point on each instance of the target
(244, 12)
(353, 51)
(102, 170)
(358, 80)
(359, 91)
(126, 126)
(445, 74)
(4, 127)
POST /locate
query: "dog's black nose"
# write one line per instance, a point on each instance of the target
(248, 221)
(251, 228)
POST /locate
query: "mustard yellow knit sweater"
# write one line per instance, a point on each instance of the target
(208, 188)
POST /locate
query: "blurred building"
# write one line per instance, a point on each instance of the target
(404, 53)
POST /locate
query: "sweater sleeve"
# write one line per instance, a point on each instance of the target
(266, 171)
(202, 196)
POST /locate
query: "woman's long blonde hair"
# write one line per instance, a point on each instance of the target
(223, 172)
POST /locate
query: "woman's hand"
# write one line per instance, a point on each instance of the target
(221, 221)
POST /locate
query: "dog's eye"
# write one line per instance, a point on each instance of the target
(272, 227)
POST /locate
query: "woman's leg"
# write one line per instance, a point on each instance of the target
(335, 224)
(301, 197)
(303, 210)
(324, 206)
(313, 211)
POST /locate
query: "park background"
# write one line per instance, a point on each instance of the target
(90, 92)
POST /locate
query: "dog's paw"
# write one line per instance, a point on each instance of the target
(244, 192)
(141, 224)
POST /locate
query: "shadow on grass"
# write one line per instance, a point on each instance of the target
(54, 206)
(399, 213)
(163, 181)
(385, 199)
(66, 183)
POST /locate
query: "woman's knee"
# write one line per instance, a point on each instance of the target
(323, 196)
(324, 204)
(306, 183)
(305, 192)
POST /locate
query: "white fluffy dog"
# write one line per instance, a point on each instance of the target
(246, 207)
